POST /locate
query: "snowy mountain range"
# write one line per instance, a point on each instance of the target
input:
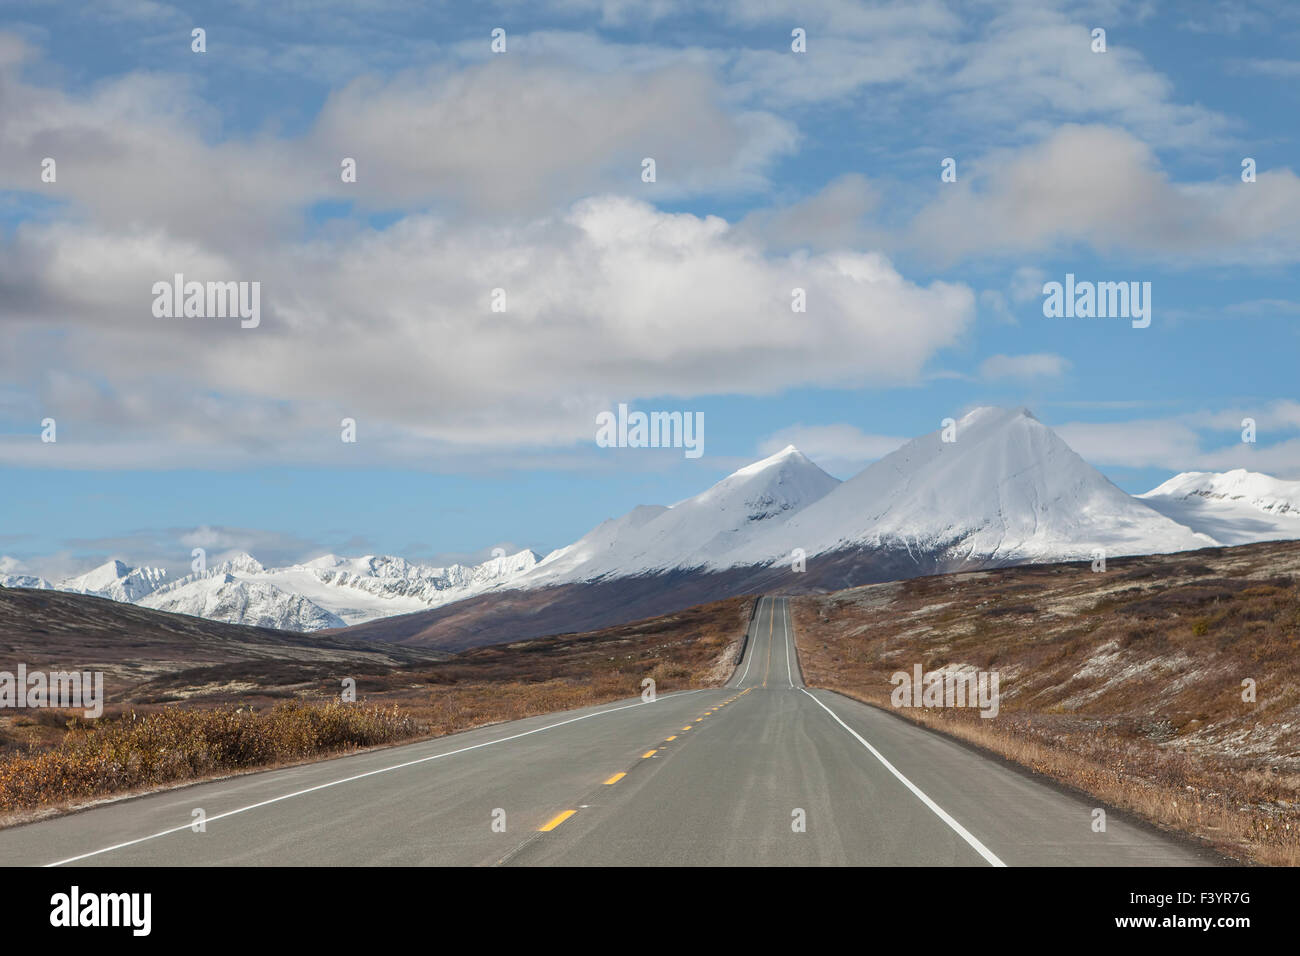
(326, 592)
(1004, 489)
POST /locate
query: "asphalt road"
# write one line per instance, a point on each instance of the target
(760, 772)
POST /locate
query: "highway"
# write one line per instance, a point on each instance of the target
(762, 772)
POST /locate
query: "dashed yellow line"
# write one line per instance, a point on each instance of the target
(555, 821)
(649, 753)
(673, 737)
(615, 779)
(687, 727)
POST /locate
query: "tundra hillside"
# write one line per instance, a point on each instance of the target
(1127, 683)
(272, 701)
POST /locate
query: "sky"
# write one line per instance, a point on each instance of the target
(1167, 158)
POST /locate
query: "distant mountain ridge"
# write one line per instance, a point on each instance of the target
(1233, 507)
(1004, 490)
(327, 592)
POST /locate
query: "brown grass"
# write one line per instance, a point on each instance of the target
(134, 751)
(245, 715)
(1124, 684)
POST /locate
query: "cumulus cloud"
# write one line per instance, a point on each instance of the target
(1104, 187)
(1139, 443)
(834, 217)
(517, 135)
(611, 301)
(1194, 441)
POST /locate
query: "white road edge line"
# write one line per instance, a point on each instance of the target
(750, 656)
(785, 607)
(942, 814)
(360, 776)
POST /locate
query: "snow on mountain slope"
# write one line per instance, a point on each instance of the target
(223, 597)
(698, 532)
(115, 580)
(14, 575)
(348, 590)
(1235, 507)
(25, 581)
(1007, 489)
(600, 546)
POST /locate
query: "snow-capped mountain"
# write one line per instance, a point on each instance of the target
(700, 532)
(223, 597)
(599, 547)
(1235, 507)
(14, 575)
(329, 591)
(24, 581)
(390, 577)
(1006, 489)
(115, 580)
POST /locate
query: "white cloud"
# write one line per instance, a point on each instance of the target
(832, 218)
(1104, 187)
(1027, 284)
(611, 301)
(512, 135)
(1283, 415)
(1277, 68)
(1281, 459)
(1149, 443)
(1023, 367)
(1179, 443)
(841, 449)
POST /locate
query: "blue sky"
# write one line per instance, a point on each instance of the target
(522, 171)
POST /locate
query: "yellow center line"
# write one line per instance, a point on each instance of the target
(649, 753)
(687, 727)
(556, 821)
(673, 737)
(615, 779)
(771, 619)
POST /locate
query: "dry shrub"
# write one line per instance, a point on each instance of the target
(172, 745)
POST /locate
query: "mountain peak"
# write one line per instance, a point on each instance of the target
(241, 561)
(1006, 489)
(996, 414)
(788, 453)
(700, 531)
